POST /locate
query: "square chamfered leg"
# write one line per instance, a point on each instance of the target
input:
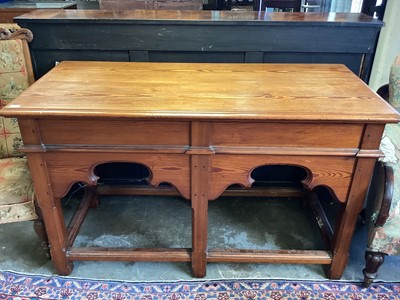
(199, 195)
(199, 215)
(52, 214)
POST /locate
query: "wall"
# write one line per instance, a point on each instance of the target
(388, 45)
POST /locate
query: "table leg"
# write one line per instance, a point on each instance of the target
(347, 222)
(199, 214)
(52, 214)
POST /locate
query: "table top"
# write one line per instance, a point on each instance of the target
(269, 92)
(206, 16)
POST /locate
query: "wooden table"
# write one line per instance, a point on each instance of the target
(201, 137)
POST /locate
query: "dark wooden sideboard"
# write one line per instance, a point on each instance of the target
(202, 36)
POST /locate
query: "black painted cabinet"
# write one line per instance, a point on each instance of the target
(202, 36)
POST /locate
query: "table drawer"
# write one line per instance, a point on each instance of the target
(114, 132)
(286, 135)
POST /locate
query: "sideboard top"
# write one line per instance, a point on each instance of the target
(268, 92)
(177, 16)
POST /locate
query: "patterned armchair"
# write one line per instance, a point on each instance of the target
(383, 201)
(17, 197)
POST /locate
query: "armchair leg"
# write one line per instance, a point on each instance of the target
(373, 260)
(38, 226)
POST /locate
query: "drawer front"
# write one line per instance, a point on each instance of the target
(286, 135)
(114, 132)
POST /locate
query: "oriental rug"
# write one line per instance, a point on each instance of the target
(15, 286)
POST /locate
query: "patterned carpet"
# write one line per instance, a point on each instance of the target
(20, 286)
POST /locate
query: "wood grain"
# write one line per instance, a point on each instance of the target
(274, 92)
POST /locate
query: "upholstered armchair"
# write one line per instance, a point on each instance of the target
(17, 197)
(383, 201)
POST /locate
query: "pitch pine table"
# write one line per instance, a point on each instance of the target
(200, 136)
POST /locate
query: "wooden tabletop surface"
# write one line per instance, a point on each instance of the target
(285, 92)
(220, 17)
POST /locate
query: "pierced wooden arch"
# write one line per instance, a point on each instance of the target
(335, 173)
(160, 167)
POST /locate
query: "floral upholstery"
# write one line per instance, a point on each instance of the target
(16, 188)
(394, 84)
(386, 239)
(16, 191)
(13, 80)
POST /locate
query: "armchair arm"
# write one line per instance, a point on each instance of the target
(383, 91)
(386, 182)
